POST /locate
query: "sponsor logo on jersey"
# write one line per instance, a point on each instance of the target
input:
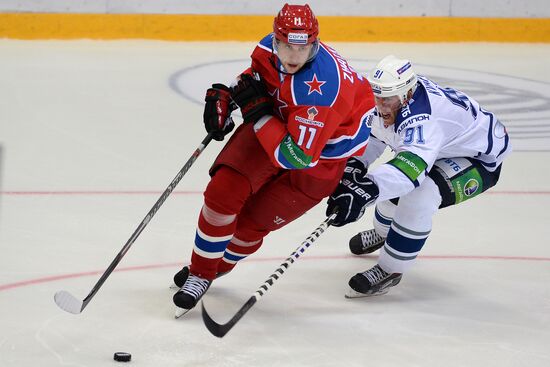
(405, 110)
(311, 113)
(297, 38)
(292, 155)
(409, 163)
(412, 120)
(454, 166)
(471, 187)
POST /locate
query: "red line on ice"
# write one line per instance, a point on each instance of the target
(54, 278)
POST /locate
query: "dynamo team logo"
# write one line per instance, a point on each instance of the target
(471, 187)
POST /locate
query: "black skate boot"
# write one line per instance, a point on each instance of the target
(181, 277)
(373, 282)
(366, 242)
(190, 293)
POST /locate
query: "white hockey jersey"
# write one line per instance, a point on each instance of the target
(437, 123)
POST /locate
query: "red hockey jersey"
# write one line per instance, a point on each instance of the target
(320, 112)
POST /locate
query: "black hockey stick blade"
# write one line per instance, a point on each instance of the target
(220, 330)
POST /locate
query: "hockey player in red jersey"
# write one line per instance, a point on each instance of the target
(304, 114)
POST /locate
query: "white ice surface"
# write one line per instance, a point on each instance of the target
(91, 133)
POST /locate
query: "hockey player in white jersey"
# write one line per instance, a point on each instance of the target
(447, 150)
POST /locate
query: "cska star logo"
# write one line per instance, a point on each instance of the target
(315, 85)
(279, 104)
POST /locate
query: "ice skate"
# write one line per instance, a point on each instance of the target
(373, 282)
(190, 293)
(181, 276)
(366, 242)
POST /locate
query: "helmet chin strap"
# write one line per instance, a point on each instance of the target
(272, 62)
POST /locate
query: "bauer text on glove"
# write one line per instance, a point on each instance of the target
(354, 194)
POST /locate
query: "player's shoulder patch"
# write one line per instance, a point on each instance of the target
(417, 111)
(318, 83)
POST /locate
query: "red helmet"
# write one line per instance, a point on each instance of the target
(296, 24)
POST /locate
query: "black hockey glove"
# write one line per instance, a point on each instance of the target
(354, 194)
(217, 111)
(252, 97)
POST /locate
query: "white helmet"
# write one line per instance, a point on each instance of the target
(392, 77)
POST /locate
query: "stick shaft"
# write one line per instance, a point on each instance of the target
(147, 219)
(220, 330)
(262, 290)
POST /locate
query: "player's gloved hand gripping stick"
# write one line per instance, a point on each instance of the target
(70, 303)
(217, 111)
(249, 93)
(353, 195)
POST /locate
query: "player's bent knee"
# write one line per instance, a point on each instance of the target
(416, 209)
(227, 191)
(425, 198)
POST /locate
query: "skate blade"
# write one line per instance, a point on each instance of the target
(180, 312)
(354, 294)
(174, 287)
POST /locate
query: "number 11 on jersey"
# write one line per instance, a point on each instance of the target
(304, 130)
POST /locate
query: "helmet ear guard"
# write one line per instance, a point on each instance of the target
(392, 77)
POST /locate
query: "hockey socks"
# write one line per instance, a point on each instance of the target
(214, 232)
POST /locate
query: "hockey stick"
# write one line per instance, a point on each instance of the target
(66, 301)
(220, 330)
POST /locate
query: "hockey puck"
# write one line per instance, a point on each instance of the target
(122, 357)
